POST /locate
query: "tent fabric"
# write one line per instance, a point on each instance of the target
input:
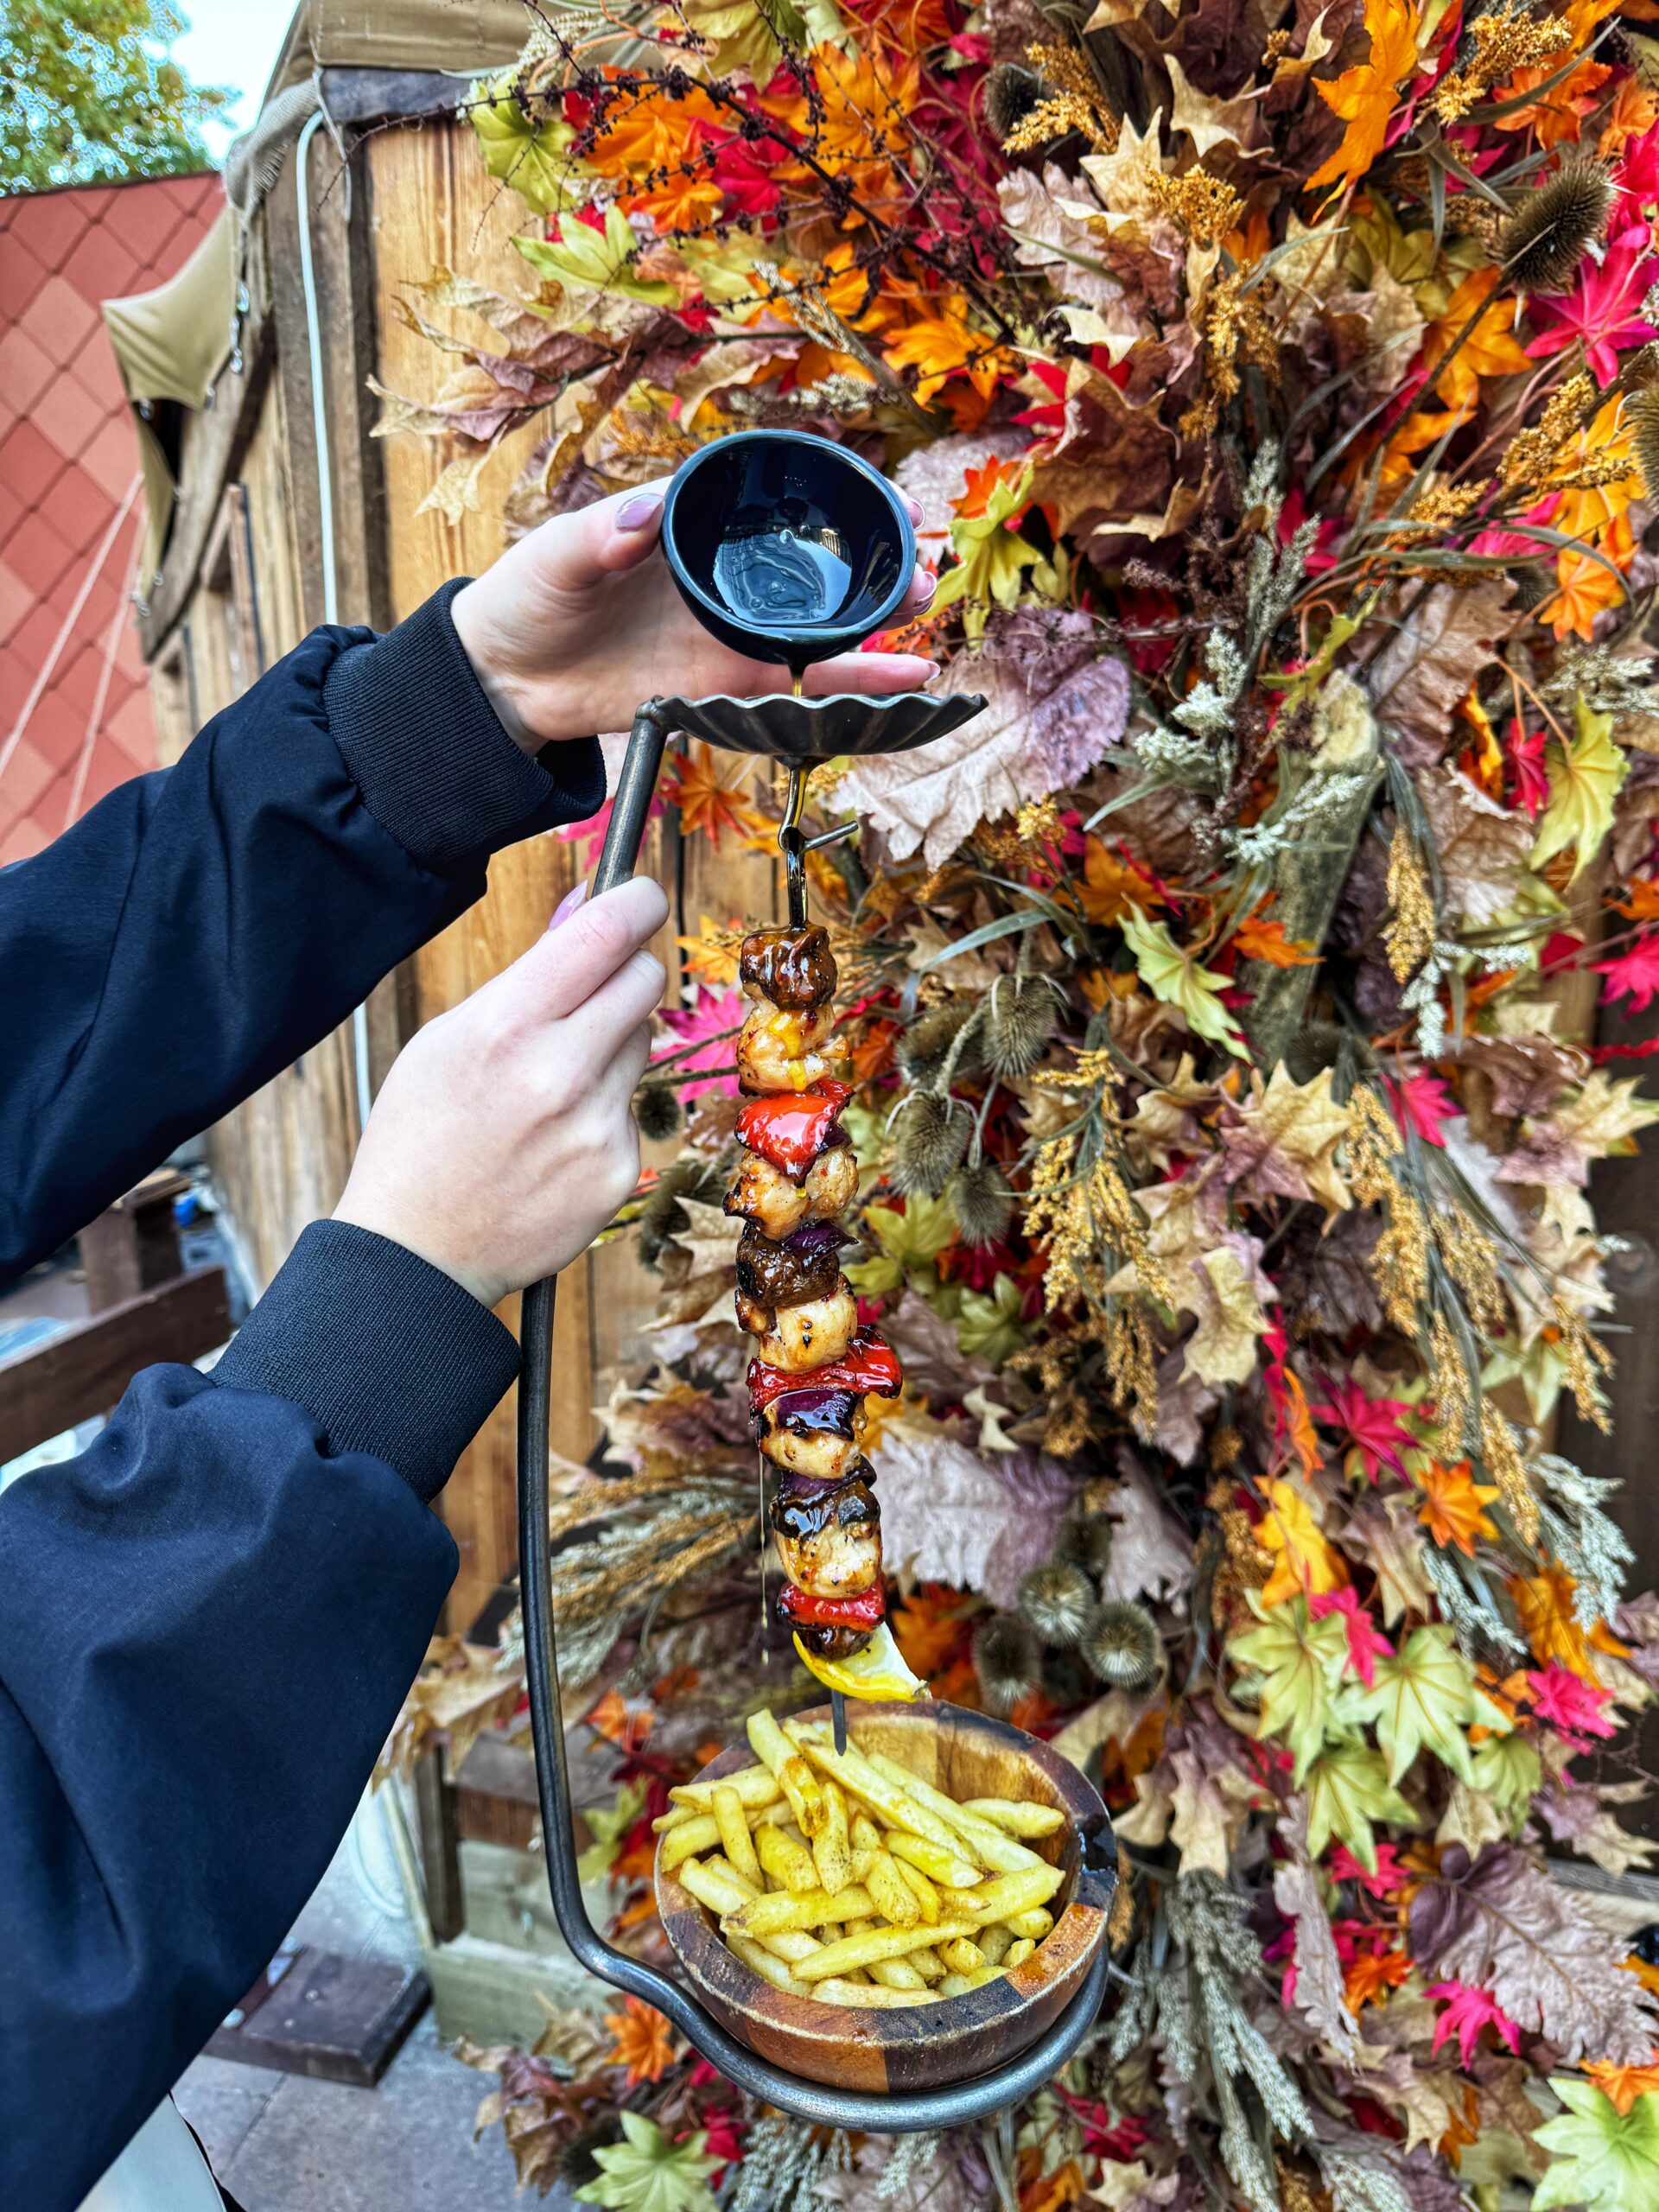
(463, 36)
(170, 343)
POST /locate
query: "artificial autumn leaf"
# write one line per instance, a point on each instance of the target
(1482, 846)
(1259, 938)
(711, 955)
(990, 1325)
(703, 1038)
(927, 1626)
(1468, 2012)
(606, 1824)
(647, 2173)
(1584, 777)
(1294, 1664)
(1549, 1619)
(1600, 1123)
(1623, 2085)
(1453, 1514)
(1282, 1140)
(1304, 1562)
(1498, 1921)
(1371, 1428)
(1508, 1769)
(1173, 976)
(1296, 1891)
(908, 1243)
(582, 259)
(1371, 1974)
(534, 158)
(1632, 974)
(1365, 97)
(1422, 1700)
(711, 791)
(992, 558)
(1222, 1348)
(641, 2040)
(1111, 888)
(1599, 2158)
(1429, 659)
(1365, 1645)
(1348, 1791)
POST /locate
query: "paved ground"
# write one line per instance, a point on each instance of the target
(282, 2144)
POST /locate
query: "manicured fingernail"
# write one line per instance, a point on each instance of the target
(915, 507)
(635, 513)
(929, 585)
(568, 905)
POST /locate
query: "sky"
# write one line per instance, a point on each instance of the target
(234, 44)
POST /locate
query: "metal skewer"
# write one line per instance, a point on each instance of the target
(838, 1720)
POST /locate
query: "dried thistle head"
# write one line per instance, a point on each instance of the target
(1008, 1659)
(928, 1137)
(931, 1043)
(1121, 1645)
(1058, 1600)
(1013, 92)
(983, 1203)
(1644, 419)
(657, 1109)
(1085, 1540)
(1542, 241)
(1019, 1016)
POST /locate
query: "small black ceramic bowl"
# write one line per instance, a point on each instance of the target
(787, 547)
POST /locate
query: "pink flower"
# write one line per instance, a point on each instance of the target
(1467, 2012)
(1603, 313)
(1365, 1645)
(1569, 1704)
(706, 1025)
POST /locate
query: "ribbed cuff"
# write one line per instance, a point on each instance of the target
(433, 764)
(388, 1355)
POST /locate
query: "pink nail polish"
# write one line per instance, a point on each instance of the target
(635, 513)
(568, 905)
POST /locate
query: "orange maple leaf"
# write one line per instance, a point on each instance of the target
(1583, 588)
(642, 2041)
(1111, 888)
(1366, 97)
(710, 788)
(1453, 1514)
(621, 1724)
(1041, 2192)
(1558, 114)
(1643, 903)
(1260, 939)
(1623, 2085)
(926, 1626)
(1369, 1977)
(941, 346)
(711, 955)
(1490, 349)
(1549, 1621)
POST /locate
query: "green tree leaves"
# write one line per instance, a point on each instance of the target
(88, 94)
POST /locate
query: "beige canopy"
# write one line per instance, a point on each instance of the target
(172, 343)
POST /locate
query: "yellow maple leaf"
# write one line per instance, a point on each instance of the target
(711, 955)
(1111, 888)
(1303, 1563)
(1549, 1621)
(1453, 1514)
(1365, 97)
(1489, 348)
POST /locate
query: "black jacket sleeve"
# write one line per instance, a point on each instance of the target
(207, 1620)
(205, 926)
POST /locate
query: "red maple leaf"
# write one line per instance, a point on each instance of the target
(1421, 1102)
(1559, 1697)
(1467, 2012)
(1527, 765)
(1633, 973)
(1371, 1426)
(1365, 1645)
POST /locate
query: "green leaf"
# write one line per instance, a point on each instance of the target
(607, 1828)
(1171, 975)
(533, 158)
(1421, 1698)
(650, 2174)
(991, 1327)
(1295, 1666)
(1348, 1790)
(1509, 1770)
(909, 1243)
(1585, 776)
(586, 260)
(1597, 2159)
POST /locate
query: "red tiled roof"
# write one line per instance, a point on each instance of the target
(68, 464)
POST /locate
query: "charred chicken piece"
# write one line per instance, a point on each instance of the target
(791, 967)
(789, 1272)
(813, 1433)
(829, 1539)
(782, 1051)
(798, 1337)
(777, 1204)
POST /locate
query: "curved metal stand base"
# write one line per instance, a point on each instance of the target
(893, 2113)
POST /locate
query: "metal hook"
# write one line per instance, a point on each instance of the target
(792, 844)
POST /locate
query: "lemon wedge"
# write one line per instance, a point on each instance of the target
(877, 1671)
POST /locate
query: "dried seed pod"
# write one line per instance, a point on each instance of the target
(931, 1045)
(929, 1138)
(660, 1216)
(1121, 1645)
(1644, 419)
(1542, 240)
(1085, 1540)
(1057, 1600)
(1020, 1017)
(983, 1202)
(1008, 1659)
(657, 1109)
(1012, 91)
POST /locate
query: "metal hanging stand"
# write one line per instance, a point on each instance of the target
(800, 731)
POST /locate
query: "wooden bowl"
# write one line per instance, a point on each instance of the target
(919, 2047)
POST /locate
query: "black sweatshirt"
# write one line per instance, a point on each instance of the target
(208, 1620)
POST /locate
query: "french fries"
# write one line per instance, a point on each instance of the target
(843, 1878)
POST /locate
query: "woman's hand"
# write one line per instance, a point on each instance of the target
(504, 1140)
(580, 621)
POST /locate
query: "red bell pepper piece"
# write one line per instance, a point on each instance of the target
(791, 1129)
(865, 1611)
(870, 1365)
